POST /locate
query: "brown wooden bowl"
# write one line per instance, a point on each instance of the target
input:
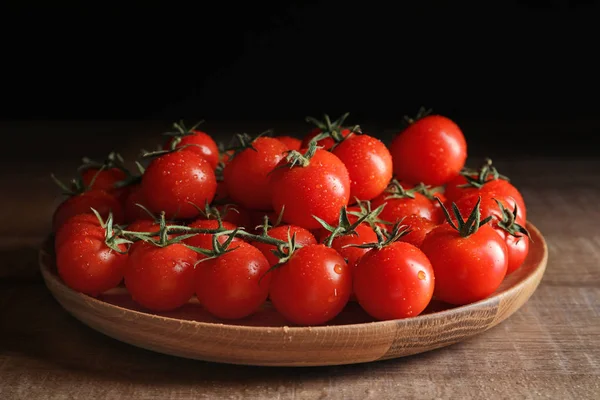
(266, 339)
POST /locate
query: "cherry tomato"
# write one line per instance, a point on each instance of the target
(432, 150)
(174, 180)
(161, 278)
(94, 178)
(312, 287)
(204, 240)
(369, 165)
(454, 190)
(200, 143)
(352, 254)
(303, 238)
(419, 228)
(230, 285)
(504, 190)
(488, 206)
(396, 281)
(398, 208)
(86, 264)
(326, 143)
(292, 143)
(321, 189)
(132, 211)
(101, 201)
(246, 176)
(79, 225)
(467, 269)
(143, 225)
(517, 249)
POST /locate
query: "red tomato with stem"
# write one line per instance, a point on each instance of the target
(292, 143)
(101, 201)
(517, 247)
(419, 228)
(161, 278)
(313, 287)
(205, 240)
(303, 238)
(487, 205)
(432, 150)
(174, 180)
(319, 187)
(230, 285)
(247, 174)
(369, 165)
(401, 204)
(79, 225)
(352, 254)
(198, 142)
(86, 264)
(469, 261)
(396, 281)
(326, 143)
(94, 178)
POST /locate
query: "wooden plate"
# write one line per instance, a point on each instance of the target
(265, 339)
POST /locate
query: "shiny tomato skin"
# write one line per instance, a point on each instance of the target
(292, 143)
(312, 287)
(467, 269)
(132, 211)
(78, 225)
(200, 143)
(174, 180)
(517, 249)
(204, 240)
(352, 254)
(322, 188)
(487, 206)
(394, 282)
(230, 285)
(326, 143)
(432, 150)
(86, 264)
(369, 165)
(303, 238)
(161, 278)
(419, 228)
(100, 200)
(398, 208)
(247, 175)
(438, 214)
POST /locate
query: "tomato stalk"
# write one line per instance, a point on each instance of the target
(180, 132)
(77, 186)
(365, 209)
(295, 158)
(427, 190)
(486, 173)
(509, 224)
(422, 113)
(397, 191)
(469, 226)
(111, 238)
(332, 129)
(344, 227)
(245, 142)
(385, 238)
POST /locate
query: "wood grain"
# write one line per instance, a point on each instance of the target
(265, 338)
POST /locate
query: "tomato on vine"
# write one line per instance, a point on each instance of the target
(432, 150)
(103, 202)
(418, 227)
(469, 258)
(327, 133)
(247, 173)
(401, 203)
(193, 140)
(394, 279)
(515, 235)
(315, 183)
(302, 236)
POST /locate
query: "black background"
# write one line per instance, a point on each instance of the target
(534, 62)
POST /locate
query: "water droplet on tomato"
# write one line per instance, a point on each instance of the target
(338, 269)
(421, 275)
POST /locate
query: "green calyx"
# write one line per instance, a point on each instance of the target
(469, 226)
(422, 113)
(333, 129)
(385, 238)
(427, 190)
(365, 210)
(508, 222)
(296, 159)
(344, 227)
(245, 141)
(396, 191)
(486, 173)
(112, 239)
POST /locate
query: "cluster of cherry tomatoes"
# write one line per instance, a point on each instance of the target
(308, 224)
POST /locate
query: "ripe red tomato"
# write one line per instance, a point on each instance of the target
(94, 178)
(174, 180)
(396, 281)
(86, 264)
(101, 201)
(321, 189)
(369, 165)
(246, 176)
(432, 150)
(488, 206)
(230, 285)
(292, 143)
(161, 278)
(326, 143)
(205, 240)
(398, 208)
(312, 287)
(132, 211)
(454, 190)
(303, 238)
(364, 234)
(467, 269)
(419, 228)
(198, 142)
(79, 225)
(517, 249)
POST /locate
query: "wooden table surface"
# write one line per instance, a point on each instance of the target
(548, 349)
